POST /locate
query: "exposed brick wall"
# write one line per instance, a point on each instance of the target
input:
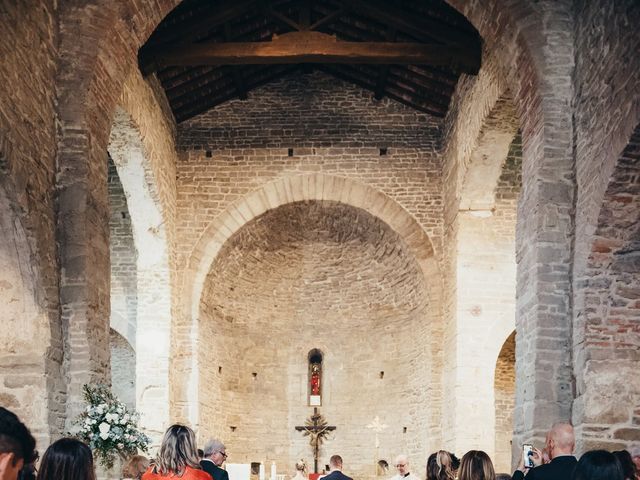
(122, 252)
(607, 103)
(207, 185)
(607, 330)
(319, 275)
(505, 390)
(314, 110)
(123, 369)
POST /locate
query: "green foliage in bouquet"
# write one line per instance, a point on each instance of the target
(108, 427)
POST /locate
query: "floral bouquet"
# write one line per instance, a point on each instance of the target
(108, 427)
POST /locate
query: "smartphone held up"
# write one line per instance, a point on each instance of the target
(527, 453)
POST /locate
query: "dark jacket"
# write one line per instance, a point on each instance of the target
(336, 475)
(215, 471)
(560, 468)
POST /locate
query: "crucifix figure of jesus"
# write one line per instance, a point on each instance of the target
(317, 428)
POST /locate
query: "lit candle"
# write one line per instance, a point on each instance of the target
(261, 471)
(273, 470)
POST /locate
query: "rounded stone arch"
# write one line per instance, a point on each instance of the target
(499, 128)
(286, 190)
(153, 273)
(606, 334)
(504, 385)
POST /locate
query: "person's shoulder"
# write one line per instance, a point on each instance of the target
(196, 474)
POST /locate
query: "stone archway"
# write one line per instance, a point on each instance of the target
(320, 275)
(273, 195)
(606, 334)
(504, 399)
(152, 274)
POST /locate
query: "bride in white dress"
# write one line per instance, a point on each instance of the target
(301, 471)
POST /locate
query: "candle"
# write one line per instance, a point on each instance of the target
(261, 475)
(273, 470)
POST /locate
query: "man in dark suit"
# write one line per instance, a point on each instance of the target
(559, 445)
(335, 465)
(214, 456)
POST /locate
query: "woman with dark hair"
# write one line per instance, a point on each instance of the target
(440, 466)
(626, 462)
(476, 465)
(598, 465)
(177, 457)
(67, 459)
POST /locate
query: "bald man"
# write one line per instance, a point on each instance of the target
(560, 444)
(403, 469)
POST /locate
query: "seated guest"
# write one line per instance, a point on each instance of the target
(628, 468)
(598, 465)
(67, 459)
(135, 467)
(177, 457)
(476, 465)
(559, 446)
(17, 445)
(440, 466)
(503, 476)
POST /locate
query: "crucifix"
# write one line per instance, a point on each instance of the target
(317, 429)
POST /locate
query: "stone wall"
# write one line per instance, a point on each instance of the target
(605, 331)
(31, 368)
(122, 252)
(505, 390)
(123, 369)
(335, 129)
(318, 275)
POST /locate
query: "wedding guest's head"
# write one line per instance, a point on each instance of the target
(440, 466)
(598, 465)
(626, 462)
(301, 466)
(17, 445)
(135, 467)
(67, 459)
(215, 451)
(476, 465)
(177, 452)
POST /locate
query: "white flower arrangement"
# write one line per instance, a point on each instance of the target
(108, 427)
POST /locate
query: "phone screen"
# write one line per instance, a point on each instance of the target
(527, 451)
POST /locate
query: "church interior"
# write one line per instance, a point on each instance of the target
(420, 219)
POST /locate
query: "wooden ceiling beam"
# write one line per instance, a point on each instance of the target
(202, 104)
(226, 11)
(235, 73)
(383, 71)
(316, 47)
(329, 18)
(415, 25)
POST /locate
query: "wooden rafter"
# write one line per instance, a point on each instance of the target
(316, 47)
(383, 71)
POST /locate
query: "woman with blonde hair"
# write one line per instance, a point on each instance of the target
(135, 467)
(440, 466)
(177, 457)
(301, 471)
(476, 465)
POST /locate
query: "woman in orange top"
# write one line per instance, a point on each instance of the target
(177, 458)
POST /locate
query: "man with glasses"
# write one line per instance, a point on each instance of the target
(404, 472)
(214, 456)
